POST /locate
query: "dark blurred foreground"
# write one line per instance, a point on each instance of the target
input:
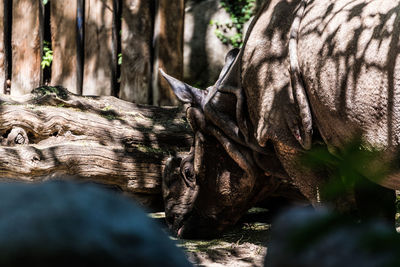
(322, 238)
(66, 224)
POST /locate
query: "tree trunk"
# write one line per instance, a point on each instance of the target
(52, 132)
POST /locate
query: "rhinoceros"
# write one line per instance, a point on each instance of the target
(308, 72)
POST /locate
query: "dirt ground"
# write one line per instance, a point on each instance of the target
(244, 245)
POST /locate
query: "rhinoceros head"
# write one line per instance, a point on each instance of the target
(220, 179)
(203, 192)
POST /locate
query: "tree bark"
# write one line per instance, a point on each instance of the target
(52, 132)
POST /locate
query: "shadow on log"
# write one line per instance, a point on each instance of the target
(52, 132)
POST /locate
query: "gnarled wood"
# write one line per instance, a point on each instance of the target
(52, 132)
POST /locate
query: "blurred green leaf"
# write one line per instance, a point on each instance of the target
(240, 12)
(353, 164)
(47, 56)
(120, 59)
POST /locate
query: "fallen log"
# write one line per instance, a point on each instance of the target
(52, 132)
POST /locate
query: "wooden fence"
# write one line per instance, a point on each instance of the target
(86, 37)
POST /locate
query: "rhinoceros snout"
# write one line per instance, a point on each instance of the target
(198, 227)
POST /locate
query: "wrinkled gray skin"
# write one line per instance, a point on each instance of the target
(197, 207)
(309, 71)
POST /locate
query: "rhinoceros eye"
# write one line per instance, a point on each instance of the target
(188, 174)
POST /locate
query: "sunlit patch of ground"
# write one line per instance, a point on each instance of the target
(243, 245)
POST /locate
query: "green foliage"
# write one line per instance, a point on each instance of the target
(240, 12)
(107, 108)
(45, 2)
(354, 164)
(47, 56)
(120, 59)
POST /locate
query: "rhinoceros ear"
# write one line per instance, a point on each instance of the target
(184, 92)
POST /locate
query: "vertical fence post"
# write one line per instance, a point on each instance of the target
(7, 19)
(97, 77)
(64, 68)
(136, 37)
(80, 44)
(3, 64)
(116, 46)
(168, 53)
(25, 42)
(41, 37)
